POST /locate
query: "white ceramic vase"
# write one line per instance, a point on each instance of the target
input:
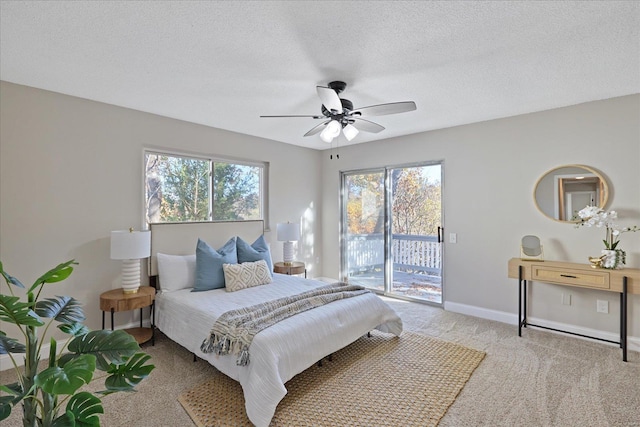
(613, 259)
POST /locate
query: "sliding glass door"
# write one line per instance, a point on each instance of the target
(392, 230)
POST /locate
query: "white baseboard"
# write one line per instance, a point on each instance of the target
(5, 360)
(483, 313)
(633, 343)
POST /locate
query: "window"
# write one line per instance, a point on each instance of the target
(188, 189)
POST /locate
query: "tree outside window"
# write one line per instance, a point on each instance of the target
(188, 189)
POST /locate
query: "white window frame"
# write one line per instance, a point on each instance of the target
(264, 179)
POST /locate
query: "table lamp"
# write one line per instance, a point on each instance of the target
(288, 233)
(130, 246)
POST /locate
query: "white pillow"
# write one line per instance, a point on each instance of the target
(176, 271)
(246, 275)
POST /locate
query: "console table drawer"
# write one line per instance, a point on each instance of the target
(588, 279)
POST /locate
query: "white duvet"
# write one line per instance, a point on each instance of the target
(280, 352)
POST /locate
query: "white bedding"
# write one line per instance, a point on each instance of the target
(280, 352)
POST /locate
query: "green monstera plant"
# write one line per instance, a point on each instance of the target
(52, 397)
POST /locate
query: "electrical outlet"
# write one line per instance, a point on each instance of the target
(566, 299)
(602, 306)
(453, 238)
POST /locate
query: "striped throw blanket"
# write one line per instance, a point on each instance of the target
(234, 330)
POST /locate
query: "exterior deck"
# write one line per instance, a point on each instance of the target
(416, 264)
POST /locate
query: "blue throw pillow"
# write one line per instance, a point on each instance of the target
(255, 252)
(209, 272)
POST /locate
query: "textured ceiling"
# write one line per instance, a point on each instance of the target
(223, 64)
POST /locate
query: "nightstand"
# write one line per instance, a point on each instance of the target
(296, 267)
(116, 300)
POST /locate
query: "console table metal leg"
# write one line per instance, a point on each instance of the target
(112, 319)
(524, 308)
(621, 329)
(520, 301)
(623, 314)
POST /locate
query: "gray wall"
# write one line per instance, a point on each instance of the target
(71, 170)
(490, 170)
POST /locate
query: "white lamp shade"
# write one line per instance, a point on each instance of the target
(288, 232)
(127, 244)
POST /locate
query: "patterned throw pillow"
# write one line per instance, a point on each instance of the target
(246, 275)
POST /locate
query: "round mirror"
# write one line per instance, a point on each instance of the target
(563, 191)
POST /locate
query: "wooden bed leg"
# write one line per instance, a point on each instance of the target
(320, 362)
(195, 358)
(331, 357)
(368, 334)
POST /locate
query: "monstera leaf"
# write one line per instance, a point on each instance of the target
(14, 394)
(82, 410)
(10, 345)
(75, 329)
(61, 309)
(107, 346)
(69, 378)
(18, 313)
(126, 376)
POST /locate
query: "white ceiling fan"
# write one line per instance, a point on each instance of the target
(339, 115)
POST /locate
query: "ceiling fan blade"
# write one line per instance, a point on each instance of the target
(366, 125)
(317, 129)
(311, 117)
(384, 109)
(329, 98)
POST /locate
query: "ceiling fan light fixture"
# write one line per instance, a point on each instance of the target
(326, 138)
(330, 131)
(338, 114)
(350, 132)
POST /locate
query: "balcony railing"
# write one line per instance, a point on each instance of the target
(410, 253)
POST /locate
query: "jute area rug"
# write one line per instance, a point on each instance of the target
(380, 380)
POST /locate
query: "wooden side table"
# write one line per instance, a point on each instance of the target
(296, 267)
(116, 300)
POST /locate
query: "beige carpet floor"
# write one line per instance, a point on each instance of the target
(541, 379)
(373, 382)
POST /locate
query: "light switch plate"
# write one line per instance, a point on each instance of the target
(453, 238)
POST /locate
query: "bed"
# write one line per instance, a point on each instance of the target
(279, 352)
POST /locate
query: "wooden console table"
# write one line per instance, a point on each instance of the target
(624, 282)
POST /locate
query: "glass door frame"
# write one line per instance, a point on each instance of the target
(388, 262)
(342, 245)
